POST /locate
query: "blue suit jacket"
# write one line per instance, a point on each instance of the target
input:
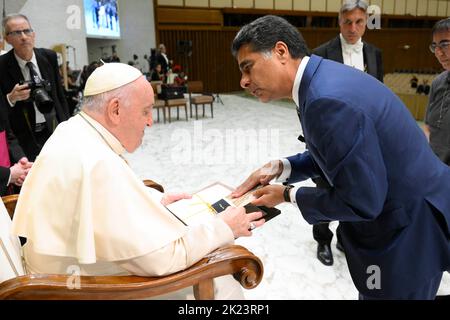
(388, 188)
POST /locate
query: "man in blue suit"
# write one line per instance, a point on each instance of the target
(388, 189)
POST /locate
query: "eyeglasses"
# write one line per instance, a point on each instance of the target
(18, 33)
(442, 45)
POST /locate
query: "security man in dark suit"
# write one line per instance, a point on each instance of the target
(14, 166)
(38, 105)
(347, 48)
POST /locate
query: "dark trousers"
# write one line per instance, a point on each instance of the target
(41, 137)
(323, 235)
(321, 231)
(426, 292)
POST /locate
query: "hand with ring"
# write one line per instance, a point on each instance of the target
(240, 222)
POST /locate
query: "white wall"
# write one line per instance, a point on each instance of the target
(137, 32)
(49, 19)
(54, 26)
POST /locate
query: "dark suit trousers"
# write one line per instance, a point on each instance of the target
(427, 292)
(321, 232)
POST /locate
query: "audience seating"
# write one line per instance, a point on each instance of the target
(176, 103)
(159, 104)
(236, 260)
(197, 96)
(400, 83)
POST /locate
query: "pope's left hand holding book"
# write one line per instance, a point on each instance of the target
(192, 209)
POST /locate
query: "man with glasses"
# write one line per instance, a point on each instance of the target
(31, 122)
(437, 117)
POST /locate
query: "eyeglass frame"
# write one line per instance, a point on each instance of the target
(18, 33)
(443, 45)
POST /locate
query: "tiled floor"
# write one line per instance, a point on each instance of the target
(244, 134)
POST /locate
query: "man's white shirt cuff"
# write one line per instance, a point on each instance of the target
(9, 179)
(292, 194)
(284, 176)
(9, 101)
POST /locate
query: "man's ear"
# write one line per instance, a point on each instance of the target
(281, 51)
(113, 111)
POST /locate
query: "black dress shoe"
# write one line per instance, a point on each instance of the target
(339, 246)
(324, 254)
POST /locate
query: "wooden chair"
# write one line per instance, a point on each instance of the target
(159, 104)
(176, 103)
(196, 87)
(246, 268)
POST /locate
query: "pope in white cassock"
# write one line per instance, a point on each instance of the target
(82, 205)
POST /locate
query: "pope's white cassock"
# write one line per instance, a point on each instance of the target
(82, 205)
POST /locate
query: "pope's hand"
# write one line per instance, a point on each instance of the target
(169, 198)
(240, 222)
(269, 196)
(261, 176)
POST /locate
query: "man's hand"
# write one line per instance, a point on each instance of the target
(240, 222)
(19, 93)
(25, 163)
(19, 171)
(269, 196)
(169, 198)
(18, 174)
(261, 176)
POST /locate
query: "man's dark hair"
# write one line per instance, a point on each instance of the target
(441, 25)
(263, 33)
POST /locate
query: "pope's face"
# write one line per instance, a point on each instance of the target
(353, 25)
(137, 114)
(261, 74)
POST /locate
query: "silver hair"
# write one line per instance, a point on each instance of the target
(97, 103)
(13, 16)
(350, 5)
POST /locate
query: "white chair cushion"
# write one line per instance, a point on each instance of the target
(10, 257)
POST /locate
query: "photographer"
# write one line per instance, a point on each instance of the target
(31, 82)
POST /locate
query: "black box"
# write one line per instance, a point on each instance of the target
(171, 92)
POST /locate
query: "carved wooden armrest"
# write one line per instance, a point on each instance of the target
(10, 203)
(152, 184)
(236, 260)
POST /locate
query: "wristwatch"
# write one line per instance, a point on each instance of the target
(286, 193)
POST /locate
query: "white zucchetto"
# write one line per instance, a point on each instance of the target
(110, 76)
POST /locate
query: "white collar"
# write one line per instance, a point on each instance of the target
(298, 79)
(22, 63)
(108, 137)
(347, 46)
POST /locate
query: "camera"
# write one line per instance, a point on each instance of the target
(39, 92)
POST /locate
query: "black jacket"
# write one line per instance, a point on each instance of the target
(22, 116)
(15, 151)
(372, 56)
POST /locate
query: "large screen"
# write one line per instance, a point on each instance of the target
(102, 19)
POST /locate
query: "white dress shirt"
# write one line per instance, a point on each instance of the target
(353, 53)
(26, 75)
(284, 176)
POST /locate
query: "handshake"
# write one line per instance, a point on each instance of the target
(19, 171)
